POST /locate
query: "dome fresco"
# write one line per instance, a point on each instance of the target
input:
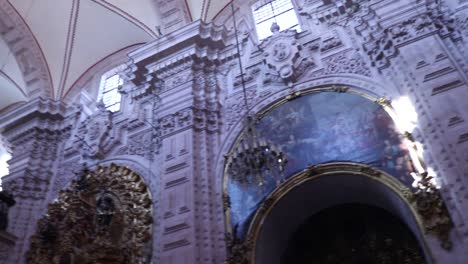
(321, 128)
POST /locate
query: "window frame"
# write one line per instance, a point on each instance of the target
(116, 104)
(270, 2)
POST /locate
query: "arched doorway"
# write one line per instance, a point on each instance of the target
(333, 190)
(354, 234)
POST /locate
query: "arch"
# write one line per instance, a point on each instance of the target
(362, 182)
(105, 216)
(137, 165)
(280, 99)
(357, 84)
(341, 84)
(368, 129)
(27, 52)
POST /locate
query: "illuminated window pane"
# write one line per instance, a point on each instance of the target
(4, 157)
(279, 11)
(287, 20)
(263, 29)
(109, 94)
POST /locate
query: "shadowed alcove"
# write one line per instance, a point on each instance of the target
(334, 214)
(354, 234)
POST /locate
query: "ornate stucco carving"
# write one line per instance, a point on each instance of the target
(346, 62)
(94, 134)
(333, 12)
(191, 76)
(284, 56)
(430, 205)
(36, 132)
(174, 122)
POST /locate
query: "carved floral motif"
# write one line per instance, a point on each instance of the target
(344, 62)
(236, 108)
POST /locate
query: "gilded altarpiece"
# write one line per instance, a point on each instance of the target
(105, 216)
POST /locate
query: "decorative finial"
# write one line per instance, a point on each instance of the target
(275, 27)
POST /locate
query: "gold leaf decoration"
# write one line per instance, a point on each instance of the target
(104, 217)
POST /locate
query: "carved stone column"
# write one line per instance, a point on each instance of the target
(35, 132)
(189, 126)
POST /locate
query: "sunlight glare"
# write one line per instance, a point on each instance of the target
(406, 114)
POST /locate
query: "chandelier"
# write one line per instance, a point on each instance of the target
(253, 160)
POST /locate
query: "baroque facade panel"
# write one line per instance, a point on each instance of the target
(183, 110)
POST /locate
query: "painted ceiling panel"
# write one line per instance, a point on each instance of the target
(215, 7)
(49, 28)
(99, 33)
(145, 11)
(195, 7)
(9, 92)
(12, 84)
(76, 34)
(9, 66)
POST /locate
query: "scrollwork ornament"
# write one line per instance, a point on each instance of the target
(431, 207)
(238, 251)
(104, 217)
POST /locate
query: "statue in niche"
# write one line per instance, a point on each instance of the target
(105, 210)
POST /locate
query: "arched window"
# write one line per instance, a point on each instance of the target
(108, 90)
(266, 12)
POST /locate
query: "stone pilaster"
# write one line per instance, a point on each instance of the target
(189, 125)
(35, 132)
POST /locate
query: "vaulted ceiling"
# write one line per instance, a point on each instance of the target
(74, 35)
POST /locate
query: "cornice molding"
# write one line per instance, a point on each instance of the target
(196, 32)
(39, 113)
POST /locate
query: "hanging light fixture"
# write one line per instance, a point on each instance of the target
(254, 159)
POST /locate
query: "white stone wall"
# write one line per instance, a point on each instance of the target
(182, 109)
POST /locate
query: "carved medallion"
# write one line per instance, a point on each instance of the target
(283, 55)
(281, 51)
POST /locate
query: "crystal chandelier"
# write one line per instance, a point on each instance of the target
(253, 160)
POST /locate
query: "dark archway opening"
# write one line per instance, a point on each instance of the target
(353, 234)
